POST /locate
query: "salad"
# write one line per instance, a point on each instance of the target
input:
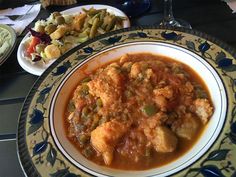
(59, 33)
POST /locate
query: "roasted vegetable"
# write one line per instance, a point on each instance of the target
(52, 52)
(40, 48)
(60, 20)
(67, 31)
(50, 28)
(59, 32)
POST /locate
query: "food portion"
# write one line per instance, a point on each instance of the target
(138, 112)
(51, 38)
(5, 41)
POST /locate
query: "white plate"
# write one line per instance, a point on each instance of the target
(38, 68)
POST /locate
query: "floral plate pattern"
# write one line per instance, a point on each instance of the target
(40, 156)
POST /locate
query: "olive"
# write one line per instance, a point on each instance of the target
(60, 20)
(50, 28)
(40, 48)
(55, 14)
(40, 29)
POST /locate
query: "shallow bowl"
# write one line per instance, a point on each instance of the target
(196, 62)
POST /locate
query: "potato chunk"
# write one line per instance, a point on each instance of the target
(162, 139)
(203, 109)
(61, 30)
(105, 137)
(114, 74)
(162, 102)
(149, 74)
(167, 92)
(135, 70)
(108, 86)
(187, 127)
(100, 88)
(125, 58)
(162, 96)
(52, 52)
(78, 21)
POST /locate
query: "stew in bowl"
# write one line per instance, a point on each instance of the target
(143, 108)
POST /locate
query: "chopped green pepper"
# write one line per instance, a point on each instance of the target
(85, 80)
(84, 90)
(79, 127)
(99, 102)
(88, 151)
(200, 93)
(82, 39)
(93, 11)
(149, 110)
(103, 120)
(85, 111)
(94, 28)
(83, 139)
(95, 122)
(71, 106)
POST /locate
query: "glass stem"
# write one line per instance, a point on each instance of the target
(169, 20)
(168, 13)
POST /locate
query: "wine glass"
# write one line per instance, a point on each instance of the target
(169, 19)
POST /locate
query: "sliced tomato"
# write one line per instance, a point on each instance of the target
(31, 49)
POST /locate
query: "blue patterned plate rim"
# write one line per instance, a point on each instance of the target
(23, 151)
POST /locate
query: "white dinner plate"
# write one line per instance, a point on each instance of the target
(38, 68)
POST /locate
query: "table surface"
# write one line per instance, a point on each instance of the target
(213, 17)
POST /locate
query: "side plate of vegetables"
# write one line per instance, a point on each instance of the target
(61, 31)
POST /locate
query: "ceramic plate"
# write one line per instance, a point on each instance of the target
(41, 150)
(11, 43)
(38, 68)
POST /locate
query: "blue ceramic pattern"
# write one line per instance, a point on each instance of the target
(221, 166)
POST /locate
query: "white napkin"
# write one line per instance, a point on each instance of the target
(29, 13)
(231, 4)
